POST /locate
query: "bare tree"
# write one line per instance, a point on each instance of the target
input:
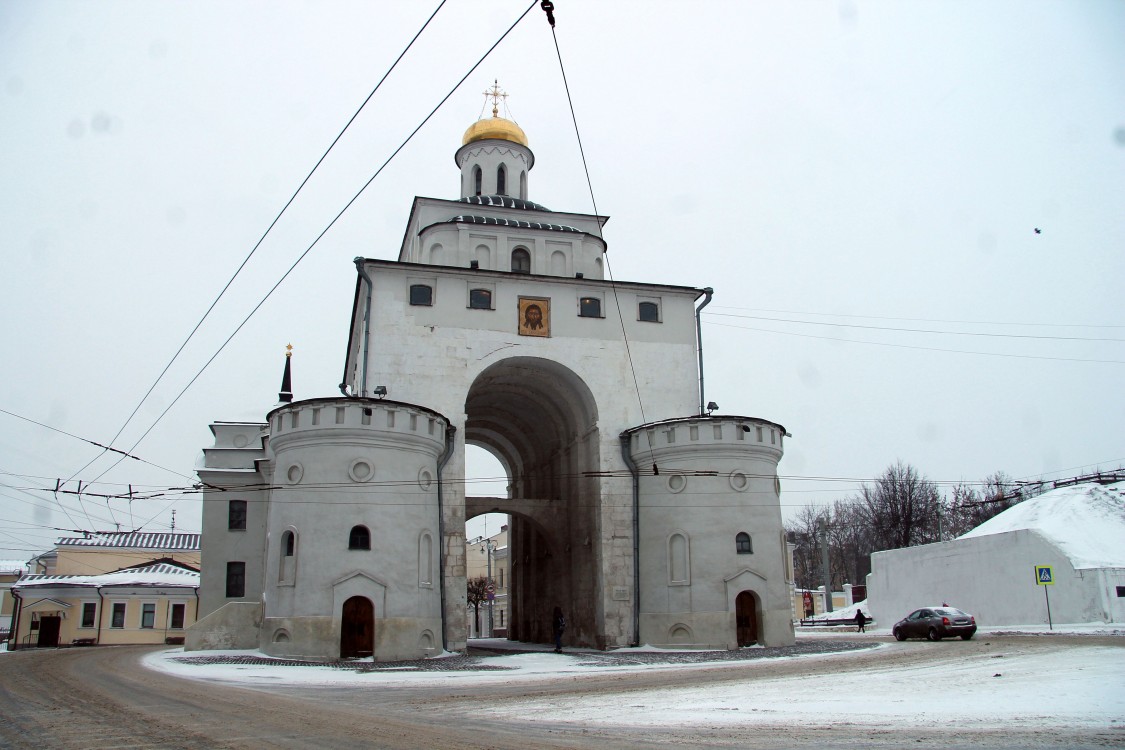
(901, 508)
(476, 590)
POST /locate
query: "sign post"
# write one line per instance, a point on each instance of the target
(1044, 578)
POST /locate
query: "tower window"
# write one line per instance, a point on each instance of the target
(480, 299)
(476, 180)
(590, 307)
(236, 515)
(742, 544)
(501, 181)
(421, 294)
(521, 261)
(359, 538)
(236, 579)
(288, 543)
(648, 312)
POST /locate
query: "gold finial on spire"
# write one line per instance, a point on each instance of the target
(496, 94)
(288, 350)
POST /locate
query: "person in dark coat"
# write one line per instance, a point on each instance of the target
(558, 625)
(860, 620)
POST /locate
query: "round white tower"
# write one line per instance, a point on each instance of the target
(352, 564)
(713, 560)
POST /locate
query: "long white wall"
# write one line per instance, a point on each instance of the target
(992, 578)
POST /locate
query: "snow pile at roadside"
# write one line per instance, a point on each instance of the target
(1086, 521)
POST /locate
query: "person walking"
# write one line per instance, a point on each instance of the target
(860, 620)
(558, 625)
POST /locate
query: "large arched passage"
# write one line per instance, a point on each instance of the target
(540, 421)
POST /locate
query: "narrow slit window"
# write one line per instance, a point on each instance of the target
(476, 180)
(501, 181)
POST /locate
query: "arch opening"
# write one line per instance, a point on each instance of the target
(539, 420)
(746, 613)
(357, 628)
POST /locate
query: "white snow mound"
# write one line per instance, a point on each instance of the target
(1085, 521)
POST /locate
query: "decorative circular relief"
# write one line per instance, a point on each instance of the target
(361, 470)
(676, 483)
(241, 441)
(294, 473)
(425, 479)
(738, 481)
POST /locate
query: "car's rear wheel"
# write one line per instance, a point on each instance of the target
(966, 636)
(933, 635)
(899, 635)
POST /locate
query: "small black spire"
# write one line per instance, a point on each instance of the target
(286, 394)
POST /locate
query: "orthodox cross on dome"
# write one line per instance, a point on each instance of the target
(496, 94)
(286, 394)
(288, 350)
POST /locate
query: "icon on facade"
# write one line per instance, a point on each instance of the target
(535, 316)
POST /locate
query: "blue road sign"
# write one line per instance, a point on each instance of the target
(1043, 575)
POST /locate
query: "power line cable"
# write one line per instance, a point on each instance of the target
(922, 348)
(319, 237)
(261, 239)
(914, 330)
(922, 320)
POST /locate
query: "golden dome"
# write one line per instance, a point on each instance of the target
(495, 128)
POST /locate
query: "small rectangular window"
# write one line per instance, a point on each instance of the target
(236, 579)
(649, 312)
(1121, 591)
(148, 615)
(236, 515)
(589, 307)
(480, 299)
(89, 614)
(177, 622)
(118, 618)
(421, 294)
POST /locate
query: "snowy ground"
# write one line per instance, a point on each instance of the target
(1077, 686)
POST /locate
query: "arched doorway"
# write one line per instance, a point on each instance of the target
(539, 420)
(746, 618)
(357, 628)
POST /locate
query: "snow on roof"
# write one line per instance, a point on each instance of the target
(1085, 521)
(160, 574)
(13, 566)
(134, 539)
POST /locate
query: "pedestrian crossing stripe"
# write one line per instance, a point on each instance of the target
(1043, 575)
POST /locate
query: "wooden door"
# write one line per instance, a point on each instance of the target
(746, 618)
(357, 628)
(49, 631)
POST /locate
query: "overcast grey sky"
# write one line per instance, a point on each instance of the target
(837, 171)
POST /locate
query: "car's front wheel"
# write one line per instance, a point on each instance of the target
(933, 635)
(899, 635)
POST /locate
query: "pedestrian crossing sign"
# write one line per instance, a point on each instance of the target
(1043, 575)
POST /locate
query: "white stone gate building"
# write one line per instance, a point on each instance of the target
(337, 527)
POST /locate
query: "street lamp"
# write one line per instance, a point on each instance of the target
(487, 550)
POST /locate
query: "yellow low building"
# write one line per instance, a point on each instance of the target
(92, 599)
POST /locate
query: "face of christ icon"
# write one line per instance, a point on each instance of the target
(534, 317)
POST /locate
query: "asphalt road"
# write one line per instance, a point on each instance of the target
(103, 698)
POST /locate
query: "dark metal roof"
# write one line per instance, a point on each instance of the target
(504, 201)
(496, 221)
(134, 540)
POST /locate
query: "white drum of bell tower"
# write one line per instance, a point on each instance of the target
(494, 158)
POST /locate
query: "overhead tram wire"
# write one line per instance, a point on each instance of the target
(922, 348)
(332, 223)
(923, 320)
(258, 244)
(915, 330)
(548, 8)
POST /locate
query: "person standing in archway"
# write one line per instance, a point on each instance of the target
(558, 625)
